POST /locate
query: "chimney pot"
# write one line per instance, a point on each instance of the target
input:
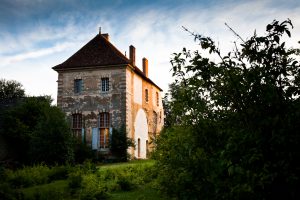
(132, 55)
(145, 67)
(106, 36)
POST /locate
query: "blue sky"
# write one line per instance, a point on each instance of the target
(36, 35)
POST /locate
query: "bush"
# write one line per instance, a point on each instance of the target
(28, 176)
(7, 193)
(93, 188)
(82, 152)
(58, 173)
(48, 194)
(125, 183)
(120, 143)
(75, 181)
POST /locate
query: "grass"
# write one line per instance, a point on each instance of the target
(121, 180)
(126, 164)
(57, 187)
(142, 193)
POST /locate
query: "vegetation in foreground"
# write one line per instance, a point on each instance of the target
(133, 180)
(233, 126)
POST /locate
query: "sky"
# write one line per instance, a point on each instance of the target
(36, 35)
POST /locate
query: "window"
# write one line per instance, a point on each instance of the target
(104, 124)
(105, 84)
(77, 124)
(146, 95)
(160, 117)
(157, 99)
(139, 147)
(77, 86)
(147, 149)
(104, 120)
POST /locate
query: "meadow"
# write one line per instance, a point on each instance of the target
(131, 180)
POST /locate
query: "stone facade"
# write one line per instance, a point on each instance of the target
(99, 89)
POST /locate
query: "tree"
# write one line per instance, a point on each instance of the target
(51, 140)
(10, 90)
(120, 143)
(235, 131)
(38, 132)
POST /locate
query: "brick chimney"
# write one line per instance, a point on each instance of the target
(145, 66)
(106, 36)
(132, 55)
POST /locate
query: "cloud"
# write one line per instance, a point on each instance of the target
(34, 54)
(153, 29)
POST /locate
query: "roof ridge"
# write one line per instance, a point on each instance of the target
(98, 51)
(114, 47)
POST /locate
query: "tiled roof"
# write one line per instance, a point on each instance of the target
(97, 52)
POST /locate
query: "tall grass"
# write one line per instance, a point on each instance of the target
(86, 181)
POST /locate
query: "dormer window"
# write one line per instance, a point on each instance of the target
(105, 84)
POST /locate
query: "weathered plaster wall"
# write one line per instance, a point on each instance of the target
(125, 101)
(92, 100)
(138, 87)
(141, 133)
(153, 113)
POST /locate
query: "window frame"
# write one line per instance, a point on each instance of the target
(78, 86)
(77, 124)
(146, 95)
(104, 127)
(105, 84)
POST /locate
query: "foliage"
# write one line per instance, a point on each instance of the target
(120, 143)
(234, 121)
(38, 132)
(28, 176)
(51, 140)
(85, 181)
(75, 181)
(82, 152)
(10, 90)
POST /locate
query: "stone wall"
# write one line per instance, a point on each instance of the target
(92, 100)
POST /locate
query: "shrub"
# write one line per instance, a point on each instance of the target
(58, 173)
(125, 183)
(93, 188)
(120, 143)
(28, 176)
(48, 193)
(82, 152)
(7, 193)
(75, 181)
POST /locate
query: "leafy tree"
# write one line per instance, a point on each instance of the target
(120, 143)
(10, 89)
(51, 140)
(235, 121)
(37, 131)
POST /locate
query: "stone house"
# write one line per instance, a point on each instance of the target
(99, 88)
